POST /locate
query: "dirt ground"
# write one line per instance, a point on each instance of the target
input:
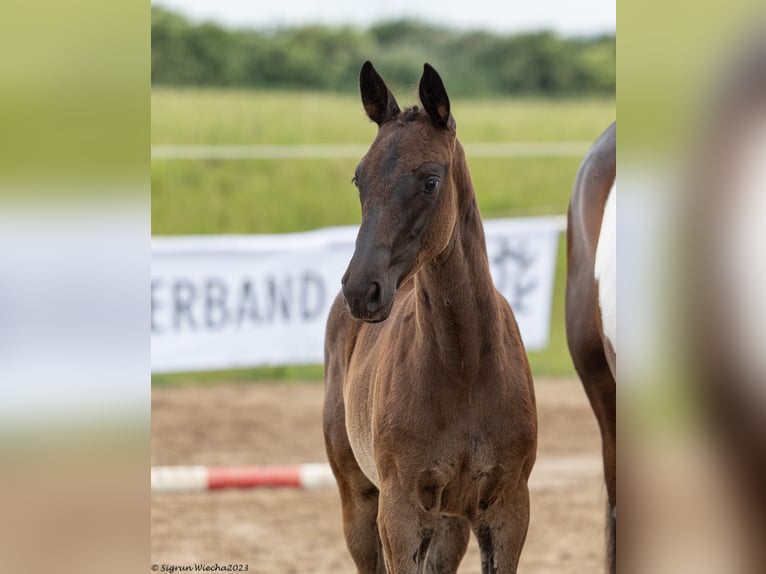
(292, 531)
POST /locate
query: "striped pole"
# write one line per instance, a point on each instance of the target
(202, 478)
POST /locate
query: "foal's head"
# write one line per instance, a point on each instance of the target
(407, 190)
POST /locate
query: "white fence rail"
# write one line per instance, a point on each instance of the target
(356, 151)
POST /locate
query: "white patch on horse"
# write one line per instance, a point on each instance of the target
(605, 269)
(742, 259)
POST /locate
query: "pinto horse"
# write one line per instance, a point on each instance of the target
(591, 302)
(430, 421)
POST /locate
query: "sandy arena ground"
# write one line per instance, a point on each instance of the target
(292, 531)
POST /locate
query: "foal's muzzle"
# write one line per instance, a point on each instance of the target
(366, 299)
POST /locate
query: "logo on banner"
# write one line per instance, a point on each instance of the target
(512, 269)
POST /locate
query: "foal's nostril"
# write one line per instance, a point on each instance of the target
(373, 297)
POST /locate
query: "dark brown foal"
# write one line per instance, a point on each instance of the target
(429, 418)
(591, 303)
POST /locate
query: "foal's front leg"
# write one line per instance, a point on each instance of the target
(448, 545)
(405, 531)
(501, 530)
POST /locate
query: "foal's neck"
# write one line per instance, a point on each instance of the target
(456, 305)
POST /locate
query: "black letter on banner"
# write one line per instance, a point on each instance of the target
(248, 304)
(216, 313)
(282, 297)
(184, 295)
(155, 306)
(309, 278)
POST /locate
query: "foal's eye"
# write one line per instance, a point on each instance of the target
(355, 179)
(431, 184)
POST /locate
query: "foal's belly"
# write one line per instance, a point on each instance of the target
(357, 396)
(361, 444)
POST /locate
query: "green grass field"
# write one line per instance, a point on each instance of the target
(277, 196)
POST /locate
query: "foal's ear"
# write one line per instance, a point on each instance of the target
(434, 98)
(378, 101)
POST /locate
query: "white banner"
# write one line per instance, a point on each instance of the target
(222, 302)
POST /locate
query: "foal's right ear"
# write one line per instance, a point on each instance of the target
(378, 101)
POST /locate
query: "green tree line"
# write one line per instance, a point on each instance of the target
(475, 63)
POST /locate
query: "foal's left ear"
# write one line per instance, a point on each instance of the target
(434, 98)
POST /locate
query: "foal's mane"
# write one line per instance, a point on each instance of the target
(417, 114)
(410, 114)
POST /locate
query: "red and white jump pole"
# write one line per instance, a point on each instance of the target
(200, 478)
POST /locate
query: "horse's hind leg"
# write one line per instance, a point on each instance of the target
(358, 496)
(448, 545)
(360, 511)
(610, 475)
(601, 391)
(611, 538)
(359, 503)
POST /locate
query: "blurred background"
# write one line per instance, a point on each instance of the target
(75, 174)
